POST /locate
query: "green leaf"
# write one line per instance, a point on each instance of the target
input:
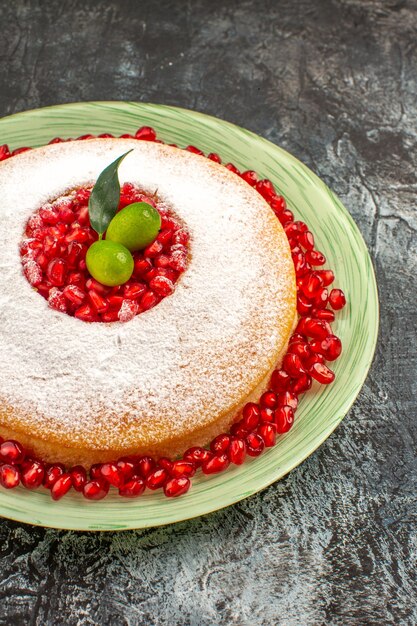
(105, 196)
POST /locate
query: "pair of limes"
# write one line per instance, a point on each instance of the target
(110, 260)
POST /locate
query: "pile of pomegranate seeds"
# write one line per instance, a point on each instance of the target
(310, 347)
(53, 251)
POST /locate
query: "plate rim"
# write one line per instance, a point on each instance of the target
(372, 288)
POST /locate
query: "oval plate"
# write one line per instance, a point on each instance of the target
(320, 410)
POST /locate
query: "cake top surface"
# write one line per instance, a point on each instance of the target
(179, 364)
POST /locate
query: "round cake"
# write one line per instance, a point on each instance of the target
(173, 376)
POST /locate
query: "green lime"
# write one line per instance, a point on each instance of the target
(109, 262)
(135, 226)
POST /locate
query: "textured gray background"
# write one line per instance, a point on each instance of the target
(334, 82)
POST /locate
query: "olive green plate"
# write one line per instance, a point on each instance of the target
(321, 410)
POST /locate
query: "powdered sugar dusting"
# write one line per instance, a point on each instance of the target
(169, 370)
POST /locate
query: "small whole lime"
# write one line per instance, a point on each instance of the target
(109, 262)
(135, 226)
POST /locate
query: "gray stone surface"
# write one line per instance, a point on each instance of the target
(335, 83)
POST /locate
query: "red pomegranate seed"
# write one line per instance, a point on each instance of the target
(126, 467)
(161, 285)
(267, 415)
(331, 348)
(254, 444)
(75, 250)
(268, 400)
(237, 451)
(78, 234)
(52, 473)
(197, 455)
(268, 432)
(61, 486)
(278, 204)
(321, 298)
(304, 305)
(147, 301)
(183, 468)
(57, 301)
(9, 476)
(165, 463)
(315, 258)
(218, 463)
(165, 236)
(232, 168)
(78, 477)
(86, 313)
(323, 314)
(289, 399)
(286, 216)
(312, 285)
(177, 487)
(145, 466)
(95, 470)
(293, 365)
(11, 452)
(250, 416)
(111, 473)
(4, 152)
(146, 133)
(115, 302)
(322, 373)
(133, 488)
(300, 348)
(214, 157)
(157, 479)
(306, 240)
(265, 188)
(105, 136)
(301, 384)
(337, 299)
(220, 444)
(33, 473)
(83, 137)
(194, 150)
(99, 303)
(316, 329)
(56, 272)
(250, 177)
(312, 359)
(96, 489)
(326, 276)
(153, 249)
(280, 380)
(284, 419)
(74, 294)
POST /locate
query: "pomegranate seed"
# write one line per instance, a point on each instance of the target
(331, 348)
(322, 373)
(86, 313)
(145, 466)
(161, 285)
(105, 136)
(33, 473)
(11, 452)
(267, 415)
(183, 468)
(9, 476)
(78, 477)
(326, 276)
(177, 487)
(250, 416)
(74, 294)
(301, 349)
(315, 258)
(337, 299)
(153, 249)
(75, 250)
(306, 240)
(312, 285)
(286, 216)
(78, 234)
(61, 487)
(284, 419)
(293, 365)
(56, 300)
(220, 444)
(127, 468)
(49, 215)
(313, 328)
(146, 133)
(218, 463)
(232, 168)
(56, 272)
(133, 488)
(269, 400)
(95, 471)
(165, 463)
(278, 204)
(157, 479)
(214, 157)
(147, 301)
(96, 489)
(250, 177)
(197, 455)
(321, 298)
(83, 137)
(52, 473)
(111, 473)
(323, 314)
(254, 444)
(304, 305)
(280, 380)
(4, 152)
(301, 384)
(237, 451)
(98, 303)
(265, 188)
(268, 432)
(312, 359)
(289, 399)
